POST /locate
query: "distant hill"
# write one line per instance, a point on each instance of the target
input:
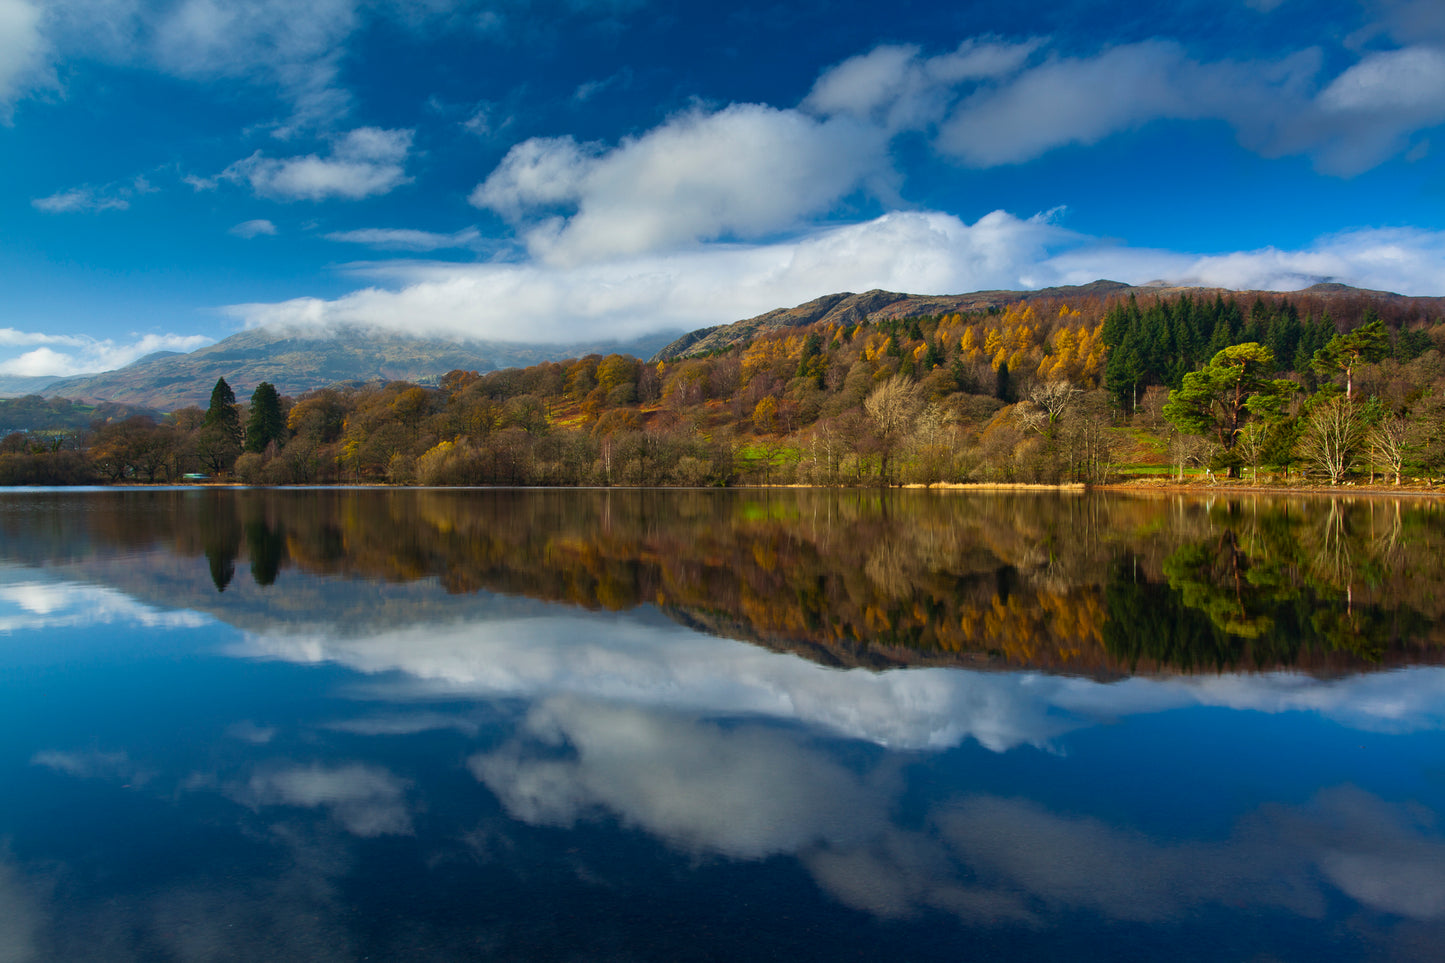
(296, 363)
(32, 413)
(849, 308)
(17, 386)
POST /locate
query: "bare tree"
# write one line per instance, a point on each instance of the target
(1054, 397)
(1388, 441)
(1188, 449)
(1332, 437)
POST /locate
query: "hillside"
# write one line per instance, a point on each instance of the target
(851, 309)
(297, 363)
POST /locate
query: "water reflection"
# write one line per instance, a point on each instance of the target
(548, 725)
(1088, 584)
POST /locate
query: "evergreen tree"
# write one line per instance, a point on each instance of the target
(219, 440)
(1003, 388)
(265, 424)
(1345, 352)
(1218, 400)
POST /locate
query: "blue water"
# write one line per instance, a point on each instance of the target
(480, 775)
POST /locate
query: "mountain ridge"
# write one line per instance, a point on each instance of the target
(850, 308)
(298, 362)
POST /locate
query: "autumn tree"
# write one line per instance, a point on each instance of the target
(892, 406)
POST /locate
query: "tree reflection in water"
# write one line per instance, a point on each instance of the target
(1096, 584)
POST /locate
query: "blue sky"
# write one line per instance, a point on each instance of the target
(178, 170)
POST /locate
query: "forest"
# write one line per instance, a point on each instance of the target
(1266, 387)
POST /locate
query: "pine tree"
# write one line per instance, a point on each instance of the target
(219, 439)
(264, 424)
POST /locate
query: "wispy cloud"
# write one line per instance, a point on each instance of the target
(24, 52)
(991, 103)
(89, 199)
(94, 764)
(403, 239)
(295, 50)
(256, 228)
(365, 162)
(368, 800)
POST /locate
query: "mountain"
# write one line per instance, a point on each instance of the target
(297, 362)
(17, 386)
(849, 308)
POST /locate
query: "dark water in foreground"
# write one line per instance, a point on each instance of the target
(696, 725)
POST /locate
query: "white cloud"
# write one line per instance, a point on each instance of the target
(898, 88)
(741, 791)
(404, 724)
(367, 800)
(914, 252)
(991, 106)
(540, 172)
(402, 239)
(31, 604)
(115, 196)
(24, 52)
(295, 49)
(683, 671)
(63, 355)
(1368, 113)
(79, 199)
(366, 162)
(256, 228)
(743, 172)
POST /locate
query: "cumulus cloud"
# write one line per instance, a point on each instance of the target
(256, 228)
(740, 173)
(365, 162)
(914, 252)
(745, 792)
(402, 239)
(68, 354)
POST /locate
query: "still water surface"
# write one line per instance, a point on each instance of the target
(719, 725)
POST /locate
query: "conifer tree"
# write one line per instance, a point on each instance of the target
(219, 439)
(264, 425)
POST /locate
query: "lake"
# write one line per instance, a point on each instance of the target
(698, 725)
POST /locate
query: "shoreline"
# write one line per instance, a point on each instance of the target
(1135, 486)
